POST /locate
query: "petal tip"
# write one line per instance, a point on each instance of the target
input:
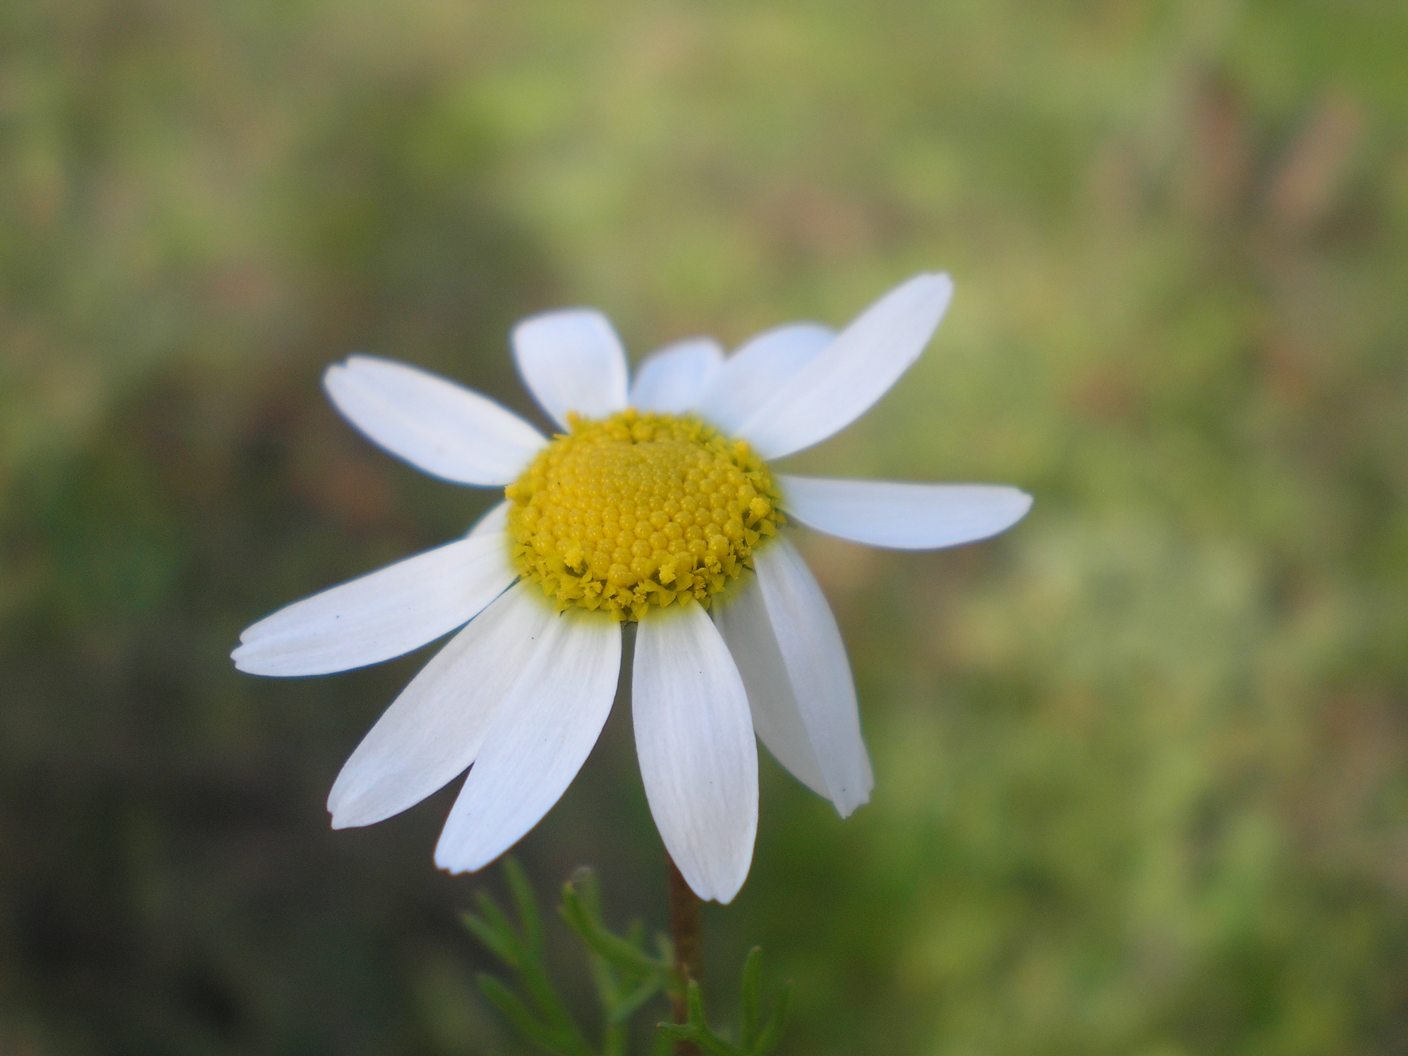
(936, 287)
(926, 284)
(350, 811)
(339, 381)
(455, 864)
(847, 806)
(556, 316)
(1021, 505)
(365, 361)
(702, 890)
(246, 659)
(343, 804)
(726, 889)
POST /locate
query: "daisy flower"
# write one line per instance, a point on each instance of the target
(654, 503)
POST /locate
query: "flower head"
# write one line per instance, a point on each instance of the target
(655, 504)
(640, 511)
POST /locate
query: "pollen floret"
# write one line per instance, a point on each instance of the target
(640, 510)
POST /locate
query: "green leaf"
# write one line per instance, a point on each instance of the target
(522, 1018)
(543, 1017)
(627, 1006)
(694, 1002)
(700, 1036)
(587, 888)
(608, 989)
(502, 944)
(497, 919)
(582, 915)
(752, 1003)
(535, 980)
(772, 1033)
(526, 904)
(625, 974)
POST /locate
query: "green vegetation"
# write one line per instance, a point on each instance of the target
(1142, 764)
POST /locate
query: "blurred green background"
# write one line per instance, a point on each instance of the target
(1141, 763)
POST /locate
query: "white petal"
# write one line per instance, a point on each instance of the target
(436, 727)
(697, 755)
(543, 733)
(811, 649)
(758, 370)
(743, 621)
(495, 519)
(903, 516)
(379, 615)
(434, 424)
(851, 373)
(673, 379)
(572, 360)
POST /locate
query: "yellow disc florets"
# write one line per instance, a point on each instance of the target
(638, 511)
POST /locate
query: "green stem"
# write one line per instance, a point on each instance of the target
(684, 931)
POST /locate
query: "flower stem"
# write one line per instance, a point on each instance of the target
(684, 931)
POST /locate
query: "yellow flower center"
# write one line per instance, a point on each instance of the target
(639, 511)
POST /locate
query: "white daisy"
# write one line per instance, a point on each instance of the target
(656, 505)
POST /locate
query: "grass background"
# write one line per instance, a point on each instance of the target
(1141, 762)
